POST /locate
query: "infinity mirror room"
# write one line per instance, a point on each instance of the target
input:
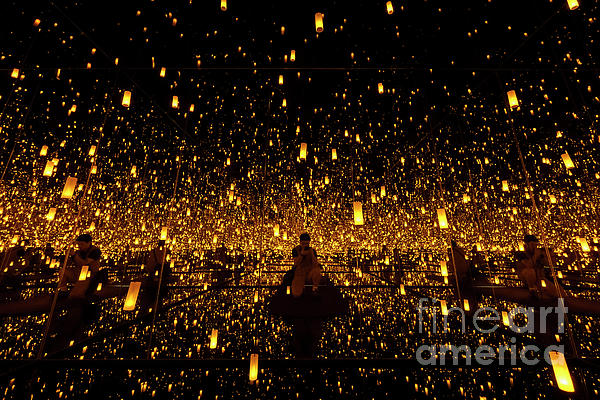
(369, 199)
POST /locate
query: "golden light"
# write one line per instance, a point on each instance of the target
(505, 318)
(444, 307)
(303, 151)
(69, 188)
(163, 72)
(213, 338)
(512, 99)
(126, 99)
(584, 245)
(37, 22)
(389, 7)
(51, 214)
(163, 233)
(15, 73)
(442, 220)
(333, 154)
(281, 79)
(402, 290)
(319, 22)
(573, 4)
(505, 186)
(175, 102)
(253, 367)
(561, 371)
(358, 213)
(382, 193)
(92, 151)
(380, 87)
(466, 304)
(293, 55)
(224, 5)
(444, 268)
(44, 151)
(49, 168)
(132, 295)
(276, 230)
(567, 161)
(84, 272)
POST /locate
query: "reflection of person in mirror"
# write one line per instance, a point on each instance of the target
(86, 255)
(306, 267)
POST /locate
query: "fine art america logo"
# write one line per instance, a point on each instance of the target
(487, 320)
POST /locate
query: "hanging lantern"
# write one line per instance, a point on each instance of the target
(132, 294)
(163, 233)
(223, 5)
(333, 154)
(126, 98)
(358, 213)
(444, 268)
(284, 103)
(51, 214)
(467, 307)
(69, 188)
(442, 220)
(505, 320)
(573, 4)
(303, 151)
(281, 79)
(380, 87)
(49, 168)
(175, 102)
(276, 230)
(561, 371)
(390, 7)
(84, 272)
(505, 186)
(567, 161)
(15, 73)
(213, 338)
(584, 245)
(319, 22)
(444, 307)
(293, 55)
(383, 194)
(163, 72)
(44, 151)
(253, 367)
(513, 102)
(92, 151)
(402, 290)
